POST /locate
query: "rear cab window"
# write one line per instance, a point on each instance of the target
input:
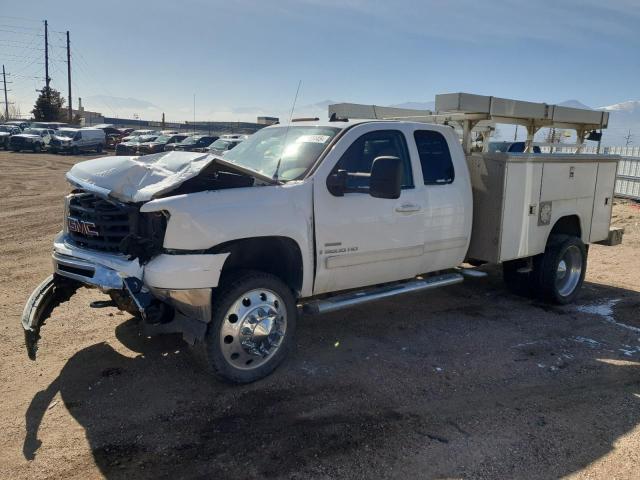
(435, 157)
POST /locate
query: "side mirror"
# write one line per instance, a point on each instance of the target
(386, 177)
(337, 183)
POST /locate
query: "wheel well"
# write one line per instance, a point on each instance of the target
(569, 225)
(279, 256)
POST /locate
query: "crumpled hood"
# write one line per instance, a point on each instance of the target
(138, 179)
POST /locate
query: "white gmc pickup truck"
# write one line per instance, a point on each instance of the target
(316, 216)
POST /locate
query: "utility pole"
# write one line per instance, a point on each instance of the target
(69, 77)
(628, 138)
(6, 102)
(46, 55)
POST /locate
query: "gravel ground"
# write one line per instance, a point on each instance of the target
(464, 382)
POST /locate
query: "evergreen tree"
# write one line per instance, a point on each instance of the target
(49, 106)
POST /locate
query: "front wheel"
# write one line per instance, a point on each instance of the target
(252, 327)
(560, 270)
(99, 148)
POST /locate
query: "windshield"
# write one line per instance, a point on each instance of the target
(32, 131)
(299, 148)
(6, 129)
(162, 139)
(66, 133)
(189, 140)
(219, 145)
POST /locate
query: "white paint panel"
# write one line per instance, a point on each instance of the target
(603, 202)
(184, 271)
(520, 228)
(563, 181)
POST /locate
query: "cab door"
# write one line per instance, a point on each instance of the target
(362, 240)
(444, 186)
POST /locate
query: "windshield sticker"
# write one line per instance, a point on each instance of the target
(313, 138)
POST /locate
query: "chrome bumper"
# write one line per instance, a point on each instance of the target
(87, 272)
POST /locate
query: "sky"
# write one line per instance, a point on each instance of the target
(244, 58)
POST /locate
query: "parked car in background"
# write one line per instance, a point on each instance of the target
(137, 133)
(50, 125)
(195, 143)
(159, 144)
(113, 135)
(223, 145)
(131, 146)
(19, 123)
(76, 140)
(34, 139)
(5, 133)
(511, 147)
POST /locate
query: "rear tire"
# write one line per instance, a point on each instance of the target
(99, 148)
(559, 272)
(252, 327)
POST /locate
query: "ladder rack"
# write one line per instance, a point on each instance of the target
(469, 112)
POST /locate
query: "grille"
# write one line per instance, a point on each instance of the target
(110, 222)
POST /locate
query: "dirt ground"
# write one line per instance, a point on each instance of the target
(464, 382)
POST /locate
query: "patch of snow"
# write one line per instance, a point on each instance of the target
(605, 310)
(589, 341)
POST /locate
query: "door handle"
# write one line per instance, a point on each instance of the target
(408, 208)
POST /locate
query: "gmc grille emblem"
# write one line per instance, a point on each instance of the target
(80, 226)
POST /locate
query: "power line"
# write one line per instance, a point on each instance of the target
(20, 18)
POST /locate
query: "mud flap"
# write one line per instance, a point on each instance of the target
(44, 299)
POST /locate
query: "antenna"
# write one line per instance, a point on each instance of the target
(286, 133)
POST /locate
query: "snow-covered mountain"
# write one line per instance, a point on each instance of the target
(630, 106)
(624, 119)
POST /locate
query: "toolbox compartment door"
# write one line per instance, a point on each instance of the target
(568, 181)
(603, 201)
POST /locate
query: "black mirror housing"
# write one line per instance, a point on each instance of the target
(386, 178)
(337, 183)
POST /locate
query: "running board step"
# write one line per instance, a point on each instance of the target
(351, 299)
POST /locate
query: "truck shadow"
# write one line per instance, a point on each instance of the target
(368, 409)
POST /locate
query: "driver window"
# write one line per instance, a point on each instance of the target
(359, 157)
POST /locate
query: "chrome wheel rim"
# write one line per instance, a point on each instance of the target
(253, 328)
(569, 271)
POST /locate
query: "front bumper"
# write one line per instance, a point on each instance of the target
(182, 282)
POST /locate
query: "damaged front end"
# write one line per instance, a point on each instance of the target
(107, 243)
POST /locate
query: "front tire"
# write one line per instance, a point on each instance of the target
(559, 272)
(252, 327)
(99, 148)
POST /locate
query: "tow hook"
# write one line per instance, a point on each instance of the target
(151, 309)
(53, 291)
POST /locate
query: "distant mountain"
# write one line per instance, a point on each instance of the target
(630, 106)
(416, 105)
(574, 104)
(108, 104)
